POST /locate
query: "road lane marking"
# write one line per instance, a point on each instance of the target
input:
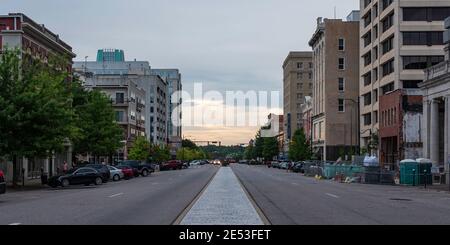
(331, 195)
(15, 224)
(116, 195)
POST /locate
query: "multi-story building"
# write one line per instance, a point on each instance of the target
(307, 118)
(399, 39)
(110, 55)
(436, 103)
(297, 84)
(35, 41)
(173, 79)
(276, 126)
(335, 47)
(156, 98)
(128, 100)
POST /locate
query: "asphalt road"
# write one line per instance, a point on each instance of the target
(289, 199)
(155, 200)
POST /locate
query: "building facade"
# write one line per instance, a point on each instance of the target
(34, 41)
(297, 84)
(398, 39)
(175, 134)
(156, 92)
(335, 47)
(436, 103)
(128, 100)
(307, 118)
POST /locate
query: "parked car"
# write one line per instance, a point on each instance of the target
(80, 176)
(171, 165)
(299, 167)
(143, 169)
(116, 174)
(275, 164)
(127, 171)
(2, 183)
(284, 165)
(102, 169)
(243, 162)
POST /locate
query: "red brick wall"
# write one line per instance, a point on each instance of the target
(390, 114)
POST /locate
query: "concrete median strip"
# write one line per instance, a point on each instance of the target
(224, 202)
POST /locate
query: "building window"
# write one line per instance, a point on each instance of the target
(375, 116)
(310, 75)
(367, 79)
(341, 105)
(367, 58)
(428, 38)
(388, 22)
(426, 13)
(299, 75)
(388, 44)
(388, 67)
(119, 116)
(386, 3)
(367, 19)
(375, 95)
(341, 46)
(341, 65)
(375, 53)
(299, 65)
(367, 119)
(375, 10)
(421, 62)
(341, 84)
(366, 3)
(299, 86)
(367, 99)
(310, 65)
(375, 32)
(388, 88)
(367, 38)
(120, 98)
(411, 83)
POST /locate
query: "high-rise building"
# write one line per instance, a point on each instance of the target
(173, 80)
(110, 55)
(297, 84)
(335, 45)
(398, 40)
(156, 91)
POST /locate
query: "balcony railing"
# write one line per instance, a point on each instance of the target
(437, 70)
(116, 101)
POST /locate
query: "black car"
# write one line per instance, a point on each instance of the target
(80, 176)
(299, 168)
(102, 169)
(139, 168)
(2, 183)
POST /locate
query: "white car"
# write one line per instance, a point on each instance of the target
(116, 174)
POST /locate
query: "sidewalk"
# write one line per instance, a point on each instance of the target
(31, 185)
(223, 203)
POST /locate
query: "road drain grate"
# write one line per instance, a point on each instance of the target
(401, 199)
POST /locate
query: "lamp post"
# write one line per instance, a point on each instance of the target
(357, 103)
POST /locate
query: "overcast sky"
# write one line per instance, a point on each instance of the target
(226, 44)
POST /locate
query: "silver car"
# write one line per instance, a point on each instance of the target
(116, 174)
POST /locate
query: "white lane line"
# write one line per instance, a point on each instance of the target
(331, 195)
(295, 184)
(15, 224)
(116, 195)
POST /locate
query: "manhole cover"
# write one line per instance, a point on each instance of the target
(401, 199)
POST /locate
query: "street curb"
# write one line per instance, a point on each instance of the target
(258, 209)
(188, 208)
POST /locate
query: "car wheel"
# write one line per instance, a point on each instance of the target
(65, 183)
(98, 181)
(116, 177)
(145, 173)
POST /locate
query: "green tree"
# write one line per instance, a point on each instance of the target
(270, 148)
(160, 153)
(259, 146)
(249, 152)
(140, 150)
(35, 107)
(97, 131)
(299, 148)
(189, 144)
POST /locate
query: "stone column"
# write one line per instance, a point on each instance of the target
(426, 129)
(434, 132)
